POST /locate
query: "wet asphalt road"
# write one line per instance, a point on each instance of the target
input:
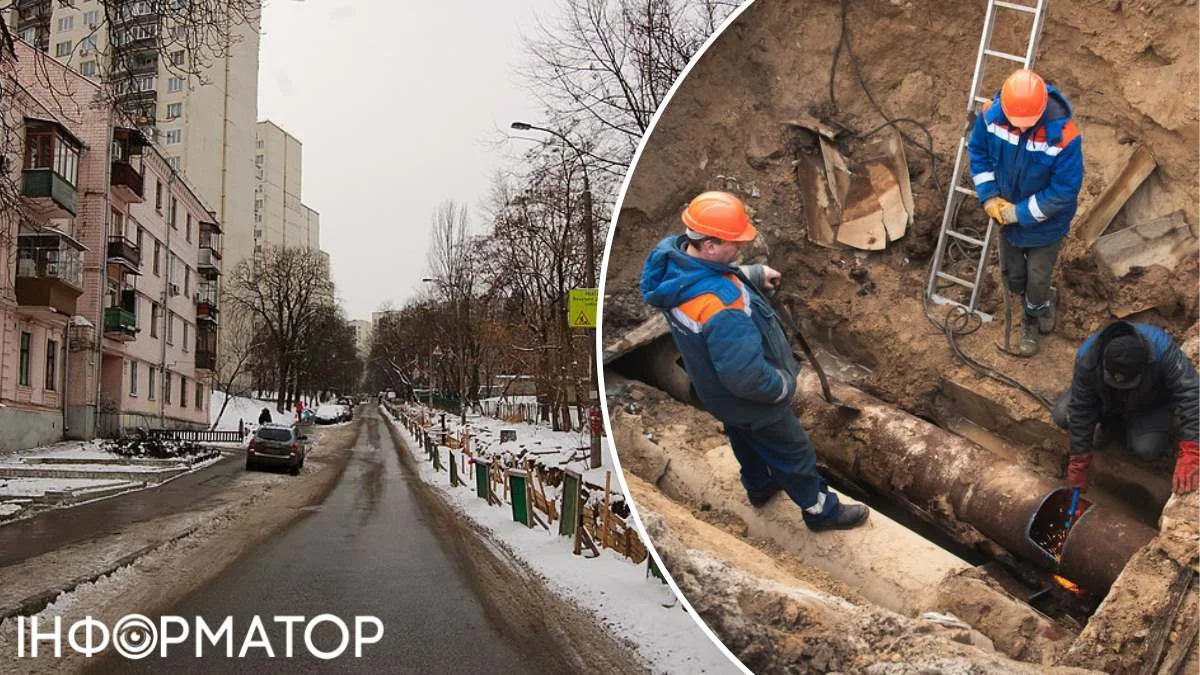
(367, 550)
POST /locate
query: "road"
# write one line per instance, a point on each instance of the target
(368, 549)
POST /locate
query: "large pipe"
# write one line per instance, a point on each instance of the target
(961, 486)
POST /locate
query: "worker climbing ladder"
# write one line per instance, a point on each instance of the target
(938, 277)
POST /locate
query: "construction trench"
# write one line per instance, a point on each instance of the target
(966, 564)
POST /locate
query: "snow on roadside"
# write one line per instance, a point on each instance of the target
(242, 408)
(615, 590)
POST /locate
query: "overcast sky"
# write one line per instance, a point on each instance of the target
(398, 106)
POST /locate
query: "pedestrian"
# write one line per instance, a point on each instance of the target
(738, 357)
(1132, 376)
(264, 417)
(299, 411)
(1027, 165)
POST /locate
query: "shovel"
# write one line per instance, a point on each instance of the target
(826, 392)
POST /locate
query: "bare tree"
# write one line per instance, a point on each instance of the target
(241, 343)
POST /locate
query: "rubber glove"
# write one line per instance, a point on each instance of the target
(1187, 468)
(1077, 470)
(1001, 210)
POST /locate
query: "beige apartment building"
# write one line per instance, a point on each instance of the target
(280, 217)
(108, 271)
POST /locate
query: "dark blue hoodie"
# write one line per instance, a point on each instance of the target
(1040, 171)
(733, 347)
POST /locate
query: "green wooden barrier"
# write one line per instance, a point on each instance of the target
(652, 569)
(483, 484)
(437, 457)
(570, 504)
(518, 490)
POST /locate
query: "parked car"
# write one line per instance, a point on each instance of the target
(277, 445)
(330, 413)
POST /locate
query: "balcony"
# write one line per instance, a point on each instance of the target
(49, 271)
(127, 182)
(206, 359)
(206, 307)
(122, 251)
(47, 187)
(209, 261)
(120, 324)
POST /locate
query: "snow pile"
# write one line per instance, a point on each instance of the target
(637, 609)
(244, 409)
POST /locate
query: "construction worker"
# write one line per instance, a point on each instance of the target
(738, 356)
(1133, 376)
(1027, 164)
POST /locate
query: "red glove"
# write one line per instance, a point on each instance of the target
(1077, 470)
(1187, 468)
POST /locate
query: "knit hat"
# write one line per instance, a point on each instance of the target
(1124, 360)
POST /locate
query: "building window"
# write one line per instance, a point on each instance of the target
(177, 57)
(258, 205)
(23, 371)
(187, 283)
(199, 396)
(158, 196)
(182, 391)
(174, 110)
(89, 45)
(258, 217)
(66, 23)
(173, 162)
(157, 258)
(154, 312)
(141, 234)
(174, 213)
(174, 136)
(91, 18)
(185, 336)
(62, 49)
(152, 383)
(51, 365)
(167, 386)
(175, 84)
(188, 233)
(170, 329)
(46, 149)
(87, 69)
(258, 160)
(133, 377)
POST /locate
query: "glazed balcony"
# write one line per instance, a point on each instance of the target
(127, 182)
(206, 359)
(207, 307)
(120, 324)
(50, 190)
(124, 252)
(49, 271)
(208, 261)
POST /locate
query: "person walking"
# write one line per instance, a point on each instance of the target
(738, 357)
(1027, 164)
(264, 417)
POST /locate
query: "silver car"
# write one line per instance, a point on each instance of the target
(277, 445)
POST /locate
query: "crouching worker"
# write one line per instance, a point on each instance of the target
(1133, 376)
(738, 356)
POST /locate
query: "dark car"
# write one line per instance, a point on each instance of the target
(277, 445)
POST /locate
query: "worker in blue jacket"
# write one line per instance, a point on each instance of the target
(1027, 164)
(738, 357)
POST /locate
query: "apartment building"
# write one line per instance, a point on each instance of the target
(110, 266)
(362, 336)
(280, 217)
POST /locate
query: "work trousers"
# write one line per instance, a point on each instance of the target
(778, 456)
(1028, 271)
(1147, 433)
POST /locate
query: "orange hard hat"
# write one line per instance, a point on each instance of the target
(1023, 98)
(719, 215)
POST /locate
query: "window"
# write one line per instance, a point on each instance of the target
(141, 234)
(133, 378)
(51, 365)
(158, 197)
(199, 396)
(173, 162)
(258, 217)
(175, 84)
(187, 284)
(46, 149)
(177, 58)
(154, 312)
(189, 237)
(185, 336)
(258, 160)
(167, 386)
(29, 35)
(152, 383)
(157, 258)
(170, 330)
(182, 391)
(89, 45)
(23, 372)
(87, 69)
(91, 19)
(172, 277)
(66, 23)
(258, 205)
(174, 110)
(62, 49)
(174, 136)
(173, 216)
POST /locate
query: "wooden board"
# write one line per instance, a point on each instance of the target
(891, 200)
(570, 503)
(895, 150)
(1141, 163)
(648, 331)
(866, 233)
(820, 213)
(518, 482)
(822, 129)
(1163, 241)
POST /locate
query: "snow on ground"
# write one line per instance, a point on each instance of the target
(242, 408)
(33, 487)
(618, 592)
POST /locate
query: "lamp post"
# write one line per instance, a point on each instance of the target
(462, 370)
(590, 279)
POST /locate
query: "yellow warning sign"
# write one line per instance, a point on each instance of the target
(581, 307)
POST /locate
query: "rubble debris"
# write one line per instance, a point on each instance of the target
(1093, 223)
(1159, 242)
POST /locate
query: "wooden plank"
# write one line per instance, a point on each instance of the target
(891, 201)
(1141, 163)
(1163, 241)
(819, 211)
(1161, 628)
(650, 330)
(867, 233)
(822, 129)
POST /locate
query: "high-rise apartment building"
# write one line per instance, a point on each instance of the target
(280, 217)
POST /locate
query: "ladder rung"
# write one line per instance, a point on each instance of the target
(954, 279)
(965, 191)
(970, 240)
(1004, 55)
(982, 99)
(1019, 8)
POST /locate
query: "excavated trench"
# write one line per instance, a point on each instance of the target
(955, 481)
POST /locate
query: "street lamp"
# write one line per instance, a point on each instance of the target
(462, 352)
(590, 279)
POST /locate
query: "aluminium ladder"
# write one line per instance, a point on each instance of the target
(957, 191)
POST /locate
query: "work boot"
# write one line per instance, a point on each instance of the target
(1030, 336)
(837, 516)
(1047, 321)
